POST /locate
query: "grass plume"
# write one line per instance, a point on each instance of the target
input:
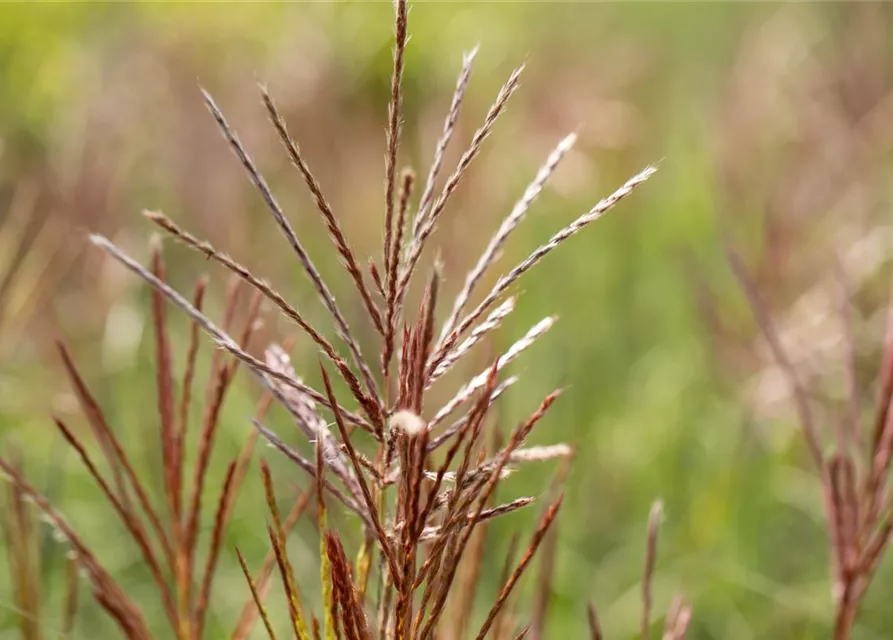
(419, 491)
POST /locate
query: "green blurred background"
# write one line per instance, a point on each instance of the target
(772, 121)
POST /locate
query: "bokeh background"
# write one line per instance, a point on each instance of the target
(773, 126)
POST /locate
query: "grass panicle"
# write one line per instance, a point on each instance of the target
(417, 490)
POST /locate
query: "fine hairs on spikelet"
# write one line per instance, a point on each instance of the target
(423, 493)
(407, 422)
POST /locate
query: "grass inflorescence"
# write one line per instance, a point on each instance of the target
(419, 480)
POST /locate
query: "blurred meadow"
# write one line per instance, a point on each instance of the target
(772, 126)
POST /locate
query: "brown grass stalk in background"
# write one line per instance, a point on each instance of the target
(854, 476)
(22, 547)
(108, 594)
(595, 630)
(679, 613)
(32, 261)
(650, 560)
